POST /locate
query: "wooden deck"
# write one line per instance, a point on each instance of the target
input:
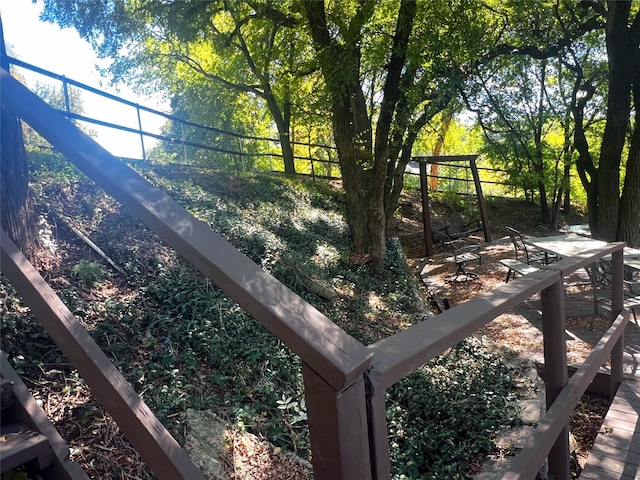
(616, 451)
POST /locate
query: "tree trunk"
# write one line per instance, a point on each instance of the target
(622, 54)
(447, 116)
(283, 124)
(538, 159)
(14, 174)
(365, 208)
(629, 223)
(363, 164)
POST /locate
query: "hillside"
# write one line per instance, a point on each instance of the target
(184, 345)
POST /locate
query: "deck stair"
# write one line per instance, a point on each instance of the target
(27, 439)
(615, 455)
(20, 445)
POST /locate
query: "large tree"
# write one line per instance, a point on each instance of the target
(522, 105)
(617, 216)
(14, 173)
(388, 67)
(248, 47)
(410, 58)
(566, 31)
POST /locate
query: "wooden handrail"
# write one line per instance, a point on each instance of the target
(334, 362)
(155, 444)
(527, 463)
(326, 348)
(398, 355)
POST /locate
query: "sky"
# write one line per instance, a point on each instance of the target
(63, 52)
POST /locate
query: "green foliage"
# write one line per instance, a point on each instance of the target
(50, 170)
(182, 343)
(446, 413)
(88, 272)
(458, 203)
(20, 474)
(23, 338)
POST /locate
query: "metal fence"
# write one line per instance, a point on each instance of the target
(189, 139)
(190, 134)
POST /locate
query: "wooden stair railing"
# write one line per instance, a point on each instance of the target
(27, 437)
(164, 456)
(334, 363)
(19, 445)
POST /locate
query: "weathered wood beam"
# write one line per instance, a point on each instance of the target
(339, 358)
(400, 354)
(527, 463)
(157, 447)
(29, 413)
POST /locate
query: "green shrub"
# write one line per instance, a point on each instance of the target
(88, 272)
(183, 343)
(446, 413)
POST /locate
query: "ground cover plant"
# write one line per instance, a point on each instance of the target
(183, 344)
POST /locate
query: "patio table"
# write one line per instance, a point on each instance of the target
(567, 245)
(570, 244)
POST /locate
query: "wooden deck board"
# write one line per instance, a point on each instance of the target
(616, 451)
(601, 474)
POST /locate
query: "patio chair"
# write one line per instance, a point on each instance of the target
(459, 253)
(600, 276)
(467, 230)
(523, 252)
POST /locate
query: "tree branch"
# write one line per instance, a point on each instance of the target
(195, 65)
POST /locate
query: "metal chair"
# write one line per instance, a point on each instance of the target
(459, 253)
(522, 250)
(600, 276)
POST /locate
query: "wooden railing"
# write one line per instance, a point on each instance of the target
(400, 354)
(344, 380)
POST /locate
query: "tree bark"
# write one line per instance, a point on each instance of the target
(622, 53)
(629, 222)
(364, 164)
(283, 124)
(14, 174)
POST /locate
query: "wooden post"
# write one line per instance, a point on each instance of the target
(149, 437)
(555, 360)
(379, 434)
(617, 300)
(338, 428)
(426, 214)
(481, 204)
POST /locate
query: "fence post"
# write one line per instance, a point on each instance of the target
(65, 89)
(426, 214)
(379, 434)
(184, 144)
(617, 300)
(555, 360)
(241, 154)
(144, 153)
(338, 428)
